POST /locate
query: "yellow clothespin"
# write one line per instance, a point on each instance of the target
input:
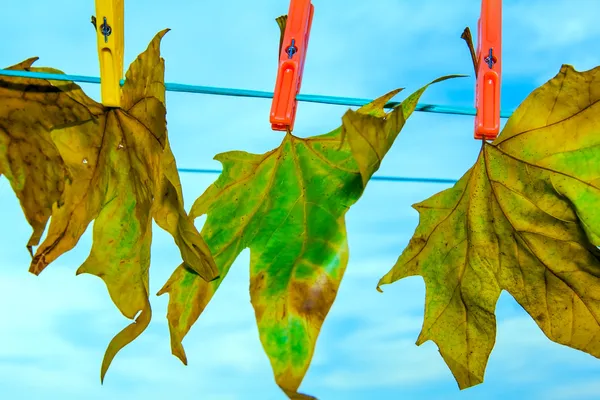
(110, 26)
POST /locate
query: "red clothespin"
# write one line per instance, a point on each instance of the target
(489, 72)
(291, 65)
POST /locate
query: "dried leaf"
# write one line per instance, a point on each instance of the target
(120, 172)
(524, 219)
(288, 207)
(29, 110)
(169, 213)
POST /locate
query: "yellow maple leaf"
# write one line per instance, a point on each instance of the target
(525, 219)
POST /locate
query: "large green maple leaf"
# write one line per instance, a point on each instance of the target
(288, 206)
(526, 219)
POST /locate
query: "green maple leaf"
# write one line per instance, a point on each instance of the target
(288, 206)
(526, 219)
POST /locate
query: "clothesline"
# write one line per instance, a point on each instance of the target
(347, 101)
(310, 98)
(373, 178)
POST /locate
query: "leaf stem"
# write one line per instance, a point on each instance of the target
(281, 21)
(467, 37)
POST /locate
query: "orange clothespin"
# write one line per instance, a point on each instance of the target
(291, 65)
(489, 71)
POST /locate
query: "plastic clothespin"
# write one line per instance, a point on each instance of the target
(291, 65)
(489, 71)
(110, 26)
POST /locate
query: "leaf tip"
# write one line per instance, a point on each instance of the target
(104, 368)
(162, 33)
(444, 78)
(176, 346)
(295, 395)
(385, 280)
(126, 336)
(38, 264)
(177, 351)
(26, 64)
(379, 103)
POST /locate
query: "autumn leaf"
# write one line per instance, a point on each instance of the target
(169, 213)
(29, 110)
(113, 166)
(526, 219)
(288, 207)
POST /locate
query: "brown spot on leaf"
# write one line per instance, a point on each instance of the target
(257, 285)
(313, 300)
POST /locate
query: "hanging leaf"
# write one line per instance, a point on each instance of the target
(288, 207)
(526, 219)
(117, 169)
(31, 108)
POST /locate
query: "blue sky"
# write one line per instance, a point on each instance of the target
(54, 328)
